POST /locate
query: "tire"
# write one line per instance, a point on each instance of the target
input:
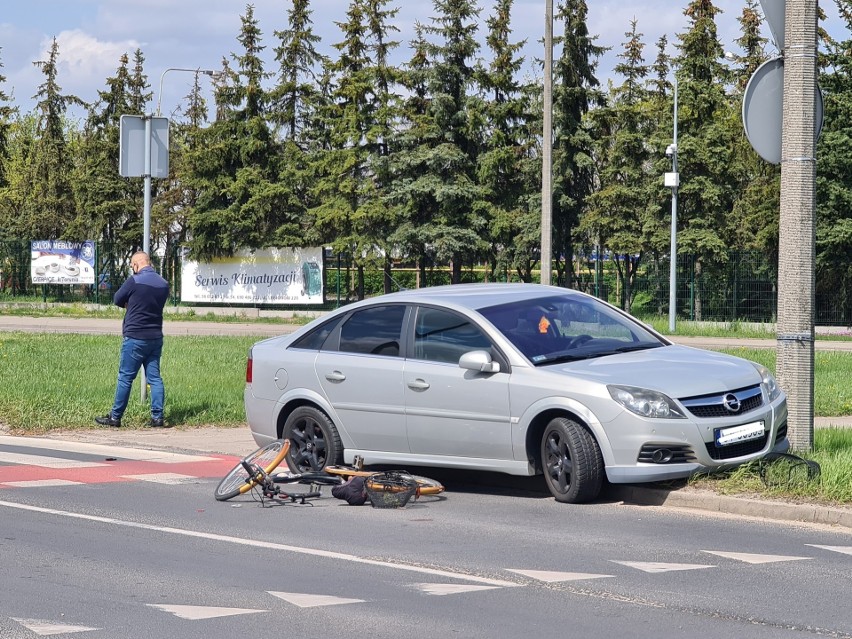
(237, 482)
(572, 461)
(425, 485)
(314, 440)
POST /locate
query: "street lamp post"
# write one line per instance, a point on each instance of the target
(673, 180)
(546, 149)
(209, 72)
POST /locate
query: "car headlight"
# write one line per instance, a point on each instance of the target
(768, 383)
(645, 403)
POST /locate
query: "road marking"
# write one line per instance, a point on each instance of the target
(46, 628)
(846, 550)
(450, 589)
(552, 577)
(255, 543)
(163, 478)
(754, 559)
(44, 461)
(305, 600)
(42, 483)
(654, 567)
(100, 450)
(194, 613)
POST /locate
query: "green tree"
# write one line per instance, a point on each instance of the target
(43, 201)
(110, 206)
(241, 200)
(438, 187)
(834, 183)
(705, 144)
(508, 162)
(7, 111)
(295, 93)
(618, 211)
(576, 91)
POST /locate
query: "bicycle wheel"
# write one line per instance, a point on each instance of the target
(238, 482)
(425, 485)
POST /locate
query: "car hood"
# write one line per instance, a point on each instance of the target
(677, 371)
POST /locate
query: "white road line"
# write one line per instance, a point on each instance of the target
(255, 543)
(654, 567)
(46, 628)
(101, 450)
(163, 478)
(45, 461)
(194, 613)
(846, 550)
(41, 483)
(450, 589)
(751, 558)
(553, 577)
(306, 600)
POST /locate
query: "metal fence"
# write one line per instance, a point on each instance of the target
(739, 287)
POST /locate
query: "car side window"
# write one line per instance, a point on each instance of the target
(316, 338)
(374, 331)
(441, 336)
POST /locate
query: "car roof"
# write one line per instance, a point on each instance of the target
(476, 296)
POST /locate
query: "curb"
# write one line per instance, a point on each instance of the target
(708, 501)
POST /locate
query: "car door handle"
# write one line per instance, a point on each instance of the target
(418, 384)
(335, 376)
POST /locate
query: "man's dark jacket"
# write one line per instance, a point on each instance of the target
(144, 295)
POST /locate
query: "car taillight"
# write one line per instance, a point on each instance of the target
(248, 369)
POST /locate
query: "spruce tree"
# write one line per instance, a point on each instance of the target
(45, 203)
(507, 162)
(618, 211)
(576, 91)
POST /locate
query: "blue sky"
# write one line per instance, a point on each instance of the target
(92, 35)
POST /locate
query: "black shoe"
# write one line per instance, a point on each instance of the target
(107, 420)
(159, 423)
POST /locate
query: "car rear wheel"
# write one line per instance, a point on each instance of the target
(573, 465)
(314, 440)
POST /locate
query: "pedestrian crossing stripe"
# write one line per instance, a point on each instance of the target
(846, 550)
(754, 558)
(451, 589)
(163, 478)
(307, 600)
(655, 567)
(194, 613)
(45, 628)
(42, 483)
(551, 577)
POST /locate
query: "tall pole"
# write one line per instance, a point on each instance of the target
(673, 259)
(146, 225)
(547, 149)
(795, 345)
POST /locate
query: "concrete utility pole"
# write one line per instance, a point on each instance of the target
(795, 350)
(547, 149)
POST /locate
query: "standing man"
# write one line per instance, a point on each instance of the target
(143, 295)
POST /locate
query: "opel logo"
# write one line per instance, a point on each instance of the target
(731, 403)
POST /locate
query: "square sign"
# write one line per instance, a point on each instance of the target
(131, 146)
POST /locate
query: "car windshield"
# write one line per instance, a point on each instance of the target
(569, 327)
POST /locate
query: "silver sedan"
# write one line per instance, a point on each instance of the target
(515, 378)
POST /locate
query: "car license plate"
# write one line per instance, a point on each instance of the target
(739, 434)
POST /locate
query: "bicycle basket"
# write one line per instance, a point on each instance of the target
(391, 489)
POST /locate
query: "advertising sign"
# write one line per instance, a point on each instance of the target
(62, 262)
(263, 276)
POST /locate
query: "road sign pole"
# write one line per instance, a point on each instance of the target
(146, 227)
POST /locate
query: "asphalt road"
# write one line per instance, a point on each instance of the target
(146, 553)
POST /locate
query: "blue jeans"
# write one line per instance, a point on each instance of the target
(136, 353)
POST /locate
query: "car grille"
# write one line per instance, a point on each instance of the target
(665, 454)
(736, 450)
(721, 404)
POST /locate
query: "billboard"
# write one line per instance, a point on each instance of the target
(62, 262)
(262, 276)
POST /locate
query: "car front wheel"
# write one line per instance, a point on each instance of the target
(573, 465)
(314, 441)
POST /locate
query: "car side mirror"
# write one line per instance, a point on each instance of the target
(479, 361)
